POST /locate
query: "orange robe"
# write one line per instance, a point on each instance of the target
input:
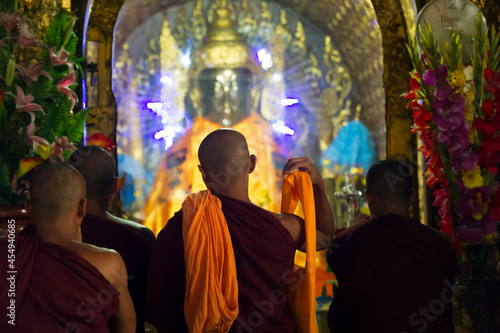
(297, 186)
(263, 252)
(211, 302)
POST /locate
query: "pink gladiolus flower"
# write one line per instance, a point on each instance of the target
(63, 87)
(26, 37)
(9, 21)
(31, 72)
(33, 139)
(24, 103)
(58, 57)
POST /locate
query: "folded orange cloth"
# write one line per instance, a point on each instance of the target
(211, 302)
(302, 301)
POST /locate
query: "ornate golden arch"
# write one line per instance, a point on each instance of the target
(393, 25)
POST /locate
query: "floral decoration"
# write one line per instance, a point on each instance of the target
(456, 111)
(38, 77)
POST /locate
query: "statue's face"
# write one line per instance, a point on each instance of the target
(225, 95)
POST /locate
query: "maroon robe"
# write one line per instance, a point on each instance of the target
(132, 241)
(264, 252)
(56, 290)
(395, 275)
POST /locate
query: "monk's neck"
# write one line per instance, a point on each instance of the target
(235, 193)
(398, 210)
(97, 207)
(56, 233)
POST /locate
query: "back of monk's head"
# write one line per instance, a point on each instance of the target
(224, 154)
(97, 166)
(390, 180)
(56, 189)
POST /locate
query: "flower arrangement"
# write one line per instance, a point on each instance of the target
(456, 110)
(38, 75)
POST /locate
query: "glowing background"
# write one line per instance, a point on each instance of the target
(312, 85)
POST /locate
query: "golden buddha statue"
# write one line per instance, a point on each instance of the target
(223, 79)
(223, 91)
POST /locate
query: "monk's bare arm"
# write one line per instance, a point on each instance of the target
(112, 267)
(295, 226)
(125, 320)
(324, 215)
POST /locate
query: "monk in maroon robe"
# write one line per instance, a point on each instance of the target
(56, 283)
(264, 243)
(131, 240)
(394, 274)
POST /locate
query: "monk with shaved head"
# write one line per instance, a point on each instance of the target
(130, 239)
(263, 244)
(62, 284)
(393, 272)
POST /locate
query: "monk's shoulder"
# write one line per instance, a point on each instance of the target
(143, 232)
(288, 219)
(294, 224)
(107, 261)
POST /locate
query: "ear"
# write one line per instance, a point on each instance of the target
(413, 196)
(113, 187)
(82, 208)
(28, 205)
(203, 174)
(370, 198)
(253, 163)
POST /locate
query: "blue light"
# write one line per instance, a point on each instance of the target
(186, 60)
(168, 133)
(265, 59)
(155, 106)
(289, 101)
(166, 80)
(279, 126)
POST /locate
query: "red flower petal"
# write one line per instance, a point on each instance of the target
(99, 139)
(487, 108)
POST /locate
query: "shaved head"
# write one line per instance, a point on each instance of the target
(56, 189)
(97, 166)
(225, 151)
(390, 180)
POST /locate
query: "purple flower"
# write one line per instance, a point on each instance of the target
(469, 160)
(465, 234)
(471, 200)
(438, 78)
(441, 105)
(442, 74)
(488, 226)
(442, 92)
(429, 77)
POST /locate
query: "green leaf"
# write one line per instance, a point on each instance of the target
(5, 174)
(7, 6)
(73, 126)
(72, 44)
(40, 89)
(54, 116)
(55, 32)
